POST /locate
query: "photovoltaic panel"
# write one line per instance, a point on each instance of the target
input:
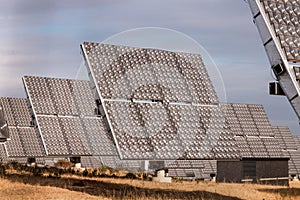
(72, 127)
(24, 142)
(297, 140)
(100, 140)
(24, 139)
(294, 162)
(210, 166)
(158, 131)
(75, 136)
(290, 149)
(134, 73)
(278, 24)
(16, 111)
(285, 137)
(60, 96)
(159, 104)
(14, 146)
(111, 161)
(194, 169)
(253, 133)
(284, 16)
(4, 134)
(248, 119)
(54, 139)
(31, 142)
(184, 164)
(92, 162)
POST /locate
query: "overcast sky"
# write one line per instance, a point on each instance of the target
(42, 38)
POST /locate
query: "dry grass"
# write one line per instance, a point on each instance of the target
(16, 185)
(13, 191)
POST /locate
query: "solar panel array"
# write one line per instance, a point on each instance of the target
(159, 104)
(191, 169)
(287, 141)
(252, 130)
(284, 16)
(199, 169)
(24, 138)
(69, 125)
(184, 164)
(152, 105)
(290, 148)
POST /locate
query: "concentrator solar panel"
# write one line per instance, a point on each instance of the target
(284, 16)
(75, 136)
(253, 133)
(294, 162)
(24, 140)
(72, 127)
(16, 111)
(159, 104)
(59, 96)
(184, 164)
(100, 141)
(14, 146)
(31, 142)
(297, 140)
(278, 23)
(290, 148)
(53, 136)
(4, 134)
(248, 119)
(133, 73)
(285, 137)
(158, 131)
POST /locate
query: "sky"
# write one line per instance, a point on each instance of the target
(42, 38)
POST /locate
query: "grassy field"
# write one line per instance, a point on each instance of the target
(16, 185)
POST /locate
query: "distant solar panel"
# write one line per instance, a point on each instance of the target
(294, 162)
(253, 132)
(4, 134)
(198, 169)
(24, 139)
(248, 119)
(184, 164)
(285, 137)
(289, 147)
(59, 96)
(297, 140)
(159, 104)
(71, 126)
(16, 111)
(24, 142)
